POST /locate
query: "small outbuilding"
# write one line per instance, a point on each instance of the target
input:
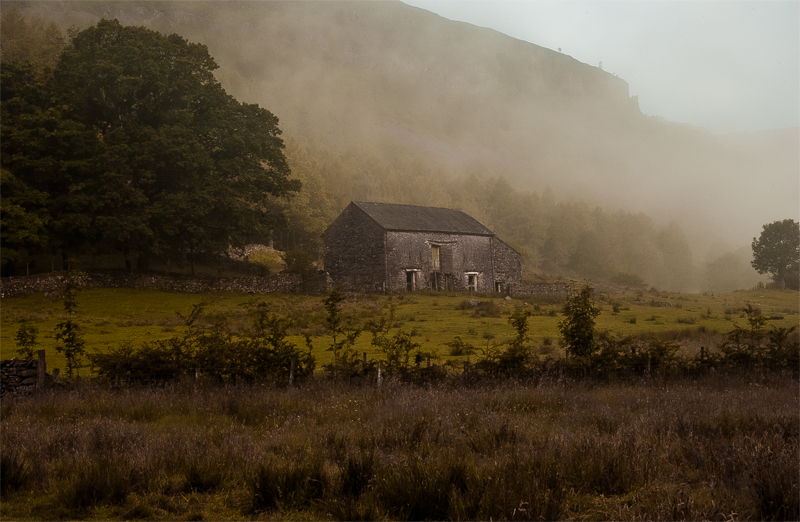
(384, 247)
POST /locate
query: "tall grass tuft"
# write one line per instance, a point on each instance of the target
(96, 482)
(288, 485)
(15, 473)
(356, 474)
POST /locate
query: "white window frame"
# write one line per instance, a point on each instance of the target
(476, 275)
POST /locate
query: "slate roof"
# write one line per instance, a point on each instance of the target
(411, 218)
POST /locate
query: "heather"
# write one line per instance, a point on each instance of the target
(718, 447)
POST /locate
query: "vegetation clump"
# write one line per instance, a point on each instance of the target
(694, 450)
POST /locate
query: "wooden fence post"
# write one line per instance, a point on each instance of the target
(41, 371)
(428, 360)
(466, 371)
(380, 372)
(292, 364)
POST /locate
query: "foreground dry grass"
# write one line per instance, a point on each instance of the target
(717, 449)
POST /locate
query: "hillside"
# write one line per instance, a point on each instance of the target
(382, 86)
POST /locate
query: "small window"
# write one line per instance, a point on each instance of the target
(472, 282)
(499, 287)
(410, 281)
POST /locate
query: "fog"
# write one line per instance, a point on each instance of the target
(385, 85)
(727, 66)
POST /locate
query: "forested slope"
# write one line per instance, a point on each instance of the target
(381, 101)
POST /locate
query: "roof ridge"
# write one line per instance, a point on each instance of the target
(400, 216)
(408, 205)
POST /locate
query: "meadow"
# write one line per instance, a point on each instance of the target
(714, 448)
(711, 445)
(110, 318)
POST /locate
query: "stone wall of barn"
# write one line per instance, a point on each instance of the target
(507, 266)
(354, 253)
(459, 255)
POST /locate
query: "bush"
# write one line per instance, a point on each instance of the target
(263, 354)
(459, 348)
(267, 261)
(299, 261)
(577, 327)
(488, 309)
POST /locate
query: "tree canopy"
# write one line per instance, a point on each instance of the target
(777, 252)
(131, 145)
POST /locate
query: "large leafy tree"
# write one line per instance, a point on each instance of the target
(777, 252)
(141, 150)
(42, 152)
(184, 166)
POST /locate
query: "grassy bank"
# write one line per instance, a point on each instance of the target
(715, 449)
(112, 317)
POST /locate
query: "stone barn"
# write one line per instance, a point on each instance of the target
(383, 247)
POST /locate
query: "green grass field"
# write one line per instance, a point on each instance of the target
(112, 317)
(715, 447)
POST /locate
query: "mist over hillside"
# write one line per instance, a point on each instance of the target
(444, 99)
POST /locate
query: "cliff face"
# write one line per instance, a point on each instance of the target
(386, 78)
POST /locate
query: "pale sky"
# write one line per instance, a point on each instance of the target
(727, 66)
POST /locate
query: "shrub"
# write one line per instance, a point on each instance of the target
(458, 347)
(262, 354)
(487, 309)
(267, 261)
(466, 304)
(299, 261)
(577, 327)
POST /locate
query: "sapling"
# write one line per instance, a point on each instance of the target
(68, 333)
(26, 340)
(344, 355)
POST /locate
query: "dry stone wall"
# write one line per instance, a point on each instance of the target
(11, 286)
(554, 289)
(281, 283)
(22, 376)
